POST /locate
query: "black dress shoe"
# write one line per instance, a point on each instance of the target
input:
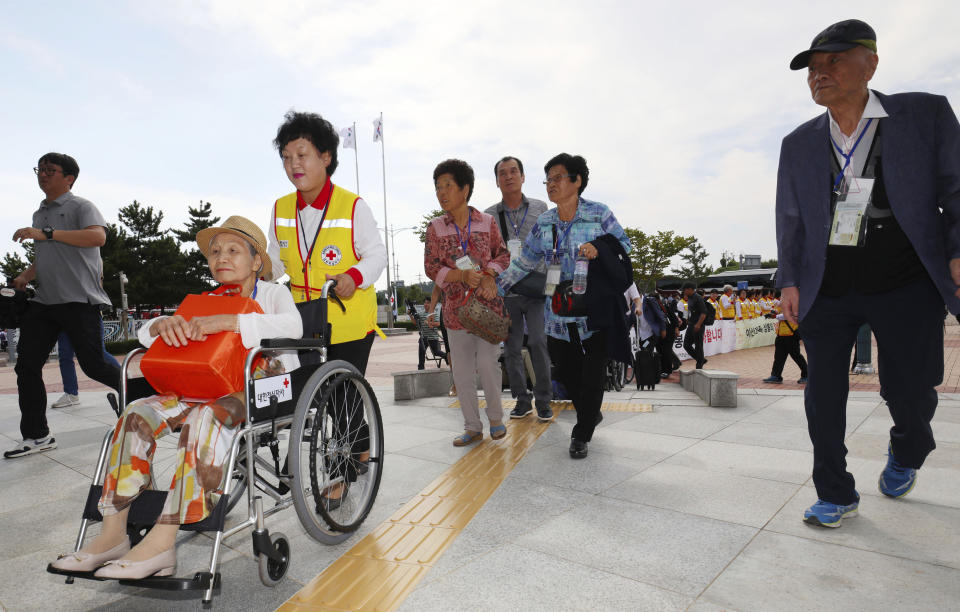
(578, 449)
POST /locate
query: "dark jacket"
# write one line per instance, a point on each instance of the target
(654, 316)
(608, 277)
(921, 148)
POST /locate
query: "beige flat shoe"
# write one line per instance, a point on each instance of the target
(164, 564)
(87, 562)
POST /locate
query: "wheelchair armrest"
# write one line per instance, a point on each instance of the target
(292, 343)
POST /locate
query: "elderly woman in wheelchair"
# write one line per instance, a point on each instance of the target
(237, 256)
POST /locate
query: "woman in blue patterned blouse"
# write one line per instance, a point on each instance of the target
(560, 235)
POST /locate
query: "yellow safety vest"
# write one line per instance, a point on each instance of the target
(783, 330)
(728, 313)
(332, 254)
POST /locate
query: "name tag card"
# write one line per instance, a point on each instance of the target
(848, 227)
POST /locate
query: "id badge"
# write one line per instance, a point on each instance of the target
(466, 263)
(514, 247)
(553, 279)
(849, 227)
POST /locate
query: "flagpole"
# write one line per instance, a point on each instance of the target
(386, 240)
(356, 155)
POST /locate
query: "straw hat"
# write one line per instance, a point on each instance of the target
(244, 228)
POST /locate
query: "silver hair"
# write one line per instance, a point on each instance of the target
(727, 288)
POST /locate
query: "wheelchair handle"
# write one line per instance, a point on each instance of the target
(327, 291)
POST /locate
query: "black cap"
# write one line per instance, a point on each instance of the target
(838, 37)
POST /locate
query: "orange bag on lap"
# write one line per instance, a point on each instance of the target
(201, 370)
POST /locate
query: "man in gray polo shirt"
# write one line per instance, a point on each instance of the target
(68, 232)
(516, 214)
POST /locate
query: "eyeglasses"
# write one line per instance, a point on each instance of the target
(47, 170)
(556, 179)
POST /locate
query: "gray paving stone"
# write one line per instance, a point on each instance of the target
(56, 483)
(671, 550)
(399, 436)
(780, 572)
(552, 465)
(717, 495)
(901, 528)
(661, 422)
(481, 585)
(518, 507)
(773, 436)
(743, 460)
(647, 447)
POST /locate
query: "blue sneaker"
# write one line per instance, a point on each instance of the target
(827, 514)
(896, 480)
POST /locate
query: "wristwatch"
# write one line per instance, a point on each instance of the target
(48, 232)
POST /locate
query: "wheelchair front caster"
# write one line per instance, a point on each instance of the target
(272, 572)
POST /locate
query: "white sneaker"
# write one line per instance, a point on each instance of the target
(66, 400)
(29, 447)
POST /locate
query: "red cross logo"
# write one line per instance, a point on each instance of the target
(286, 382)
(331, 255)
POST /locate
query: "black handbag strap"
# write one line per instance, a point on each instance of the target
(503, 226)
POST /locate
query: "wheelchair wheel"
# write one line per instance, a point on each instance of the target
(272, 572)
(337, 420)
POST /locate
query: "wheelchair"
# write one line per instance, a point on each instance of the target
(319, 411)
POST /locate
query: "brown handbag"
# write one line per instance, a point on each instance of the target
(488, 321)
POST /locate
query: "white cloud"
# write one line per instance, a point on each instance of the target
(679, 109)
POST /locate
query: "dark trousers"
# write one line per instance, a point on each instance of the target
(422, 350)
(693, 344)
(582, 372)
(668, 359)
(787, 345)
(356, 352)
(41, 325)
(908, 325)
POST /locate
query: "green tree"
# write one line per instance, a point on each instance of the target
(694, 256)
(13, 264)
(728, 261)
(769, 263)
(153, 261)
(421, 230)
(195, 273)
(651, 253)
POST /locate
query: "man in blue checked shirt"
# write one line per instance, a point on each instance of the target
(559, 236)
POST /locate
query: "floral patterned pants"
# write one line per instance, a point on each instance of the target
(207, 431)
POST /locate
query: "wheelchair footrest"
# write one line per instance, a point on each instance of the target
(72, 574)
(199, 582)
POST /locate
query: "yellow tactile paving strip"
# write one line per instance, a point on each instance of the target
(381, 570)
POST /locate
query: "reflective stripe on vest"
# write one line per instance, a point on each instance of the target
(333, 253)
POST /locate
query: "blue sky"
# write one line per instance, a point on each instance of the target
(678, 108)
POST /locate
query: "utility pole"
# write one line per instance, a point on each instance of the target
(123, 306)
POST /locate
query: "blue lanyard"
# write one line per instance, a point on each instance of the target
(253, 295)
(464, 243)
(517, 228)
(848, 156)
(562, 238)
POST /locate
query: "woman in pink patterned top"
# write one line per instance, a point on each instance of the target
(465, 251)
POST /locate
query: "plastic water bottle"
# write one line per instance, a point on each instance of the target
(580, 275)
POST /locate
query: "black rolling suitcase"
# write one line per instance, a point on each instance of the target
(646, 367)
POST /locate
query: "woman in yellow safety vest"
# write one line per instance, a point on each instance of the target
(322, 231)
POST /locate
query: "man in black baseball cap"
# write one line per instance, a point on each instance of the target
(868, 230)
(838, 37)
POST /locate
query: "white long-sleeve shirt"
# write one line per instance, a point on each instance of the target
(280, 319)
(367, 241)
